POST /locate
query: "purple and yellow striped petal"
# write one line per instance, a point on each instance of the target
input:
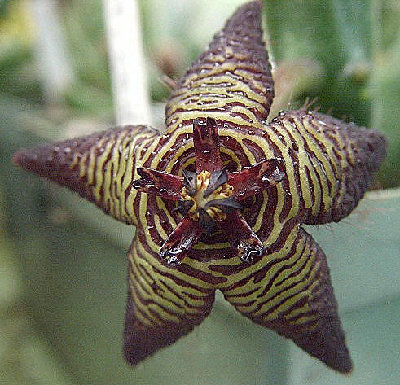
(291, 293)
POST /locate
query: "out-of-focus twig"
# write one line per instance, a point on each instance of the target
(51, 51)
(127, 62)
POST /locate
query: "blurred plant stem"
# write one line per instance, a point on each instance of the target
(125, 49)
(51, 51)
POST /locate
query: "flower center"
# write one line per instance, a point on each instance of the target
(205, 197)
(209, 199)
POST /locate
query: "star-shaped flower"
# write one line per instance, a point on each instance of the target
(219, 200)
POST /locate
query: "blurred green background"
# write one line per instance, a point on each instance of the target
(62, 262)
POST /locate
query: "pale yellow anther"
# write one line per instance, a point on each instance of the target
(200, 201)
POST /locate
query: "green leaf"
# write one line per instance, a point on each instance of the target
(353, 50)
(385, 86)
(333, 34)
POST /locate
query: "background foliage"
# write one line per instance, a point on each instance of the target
(62, 263)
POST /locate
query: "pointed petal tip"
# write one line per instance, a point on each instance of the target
(247, 15)
(336, 356)
(342, 364)
(142, 340)
(43, 160)
(250, 8)
(17, 158)
(27, 159)
(346, 367)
